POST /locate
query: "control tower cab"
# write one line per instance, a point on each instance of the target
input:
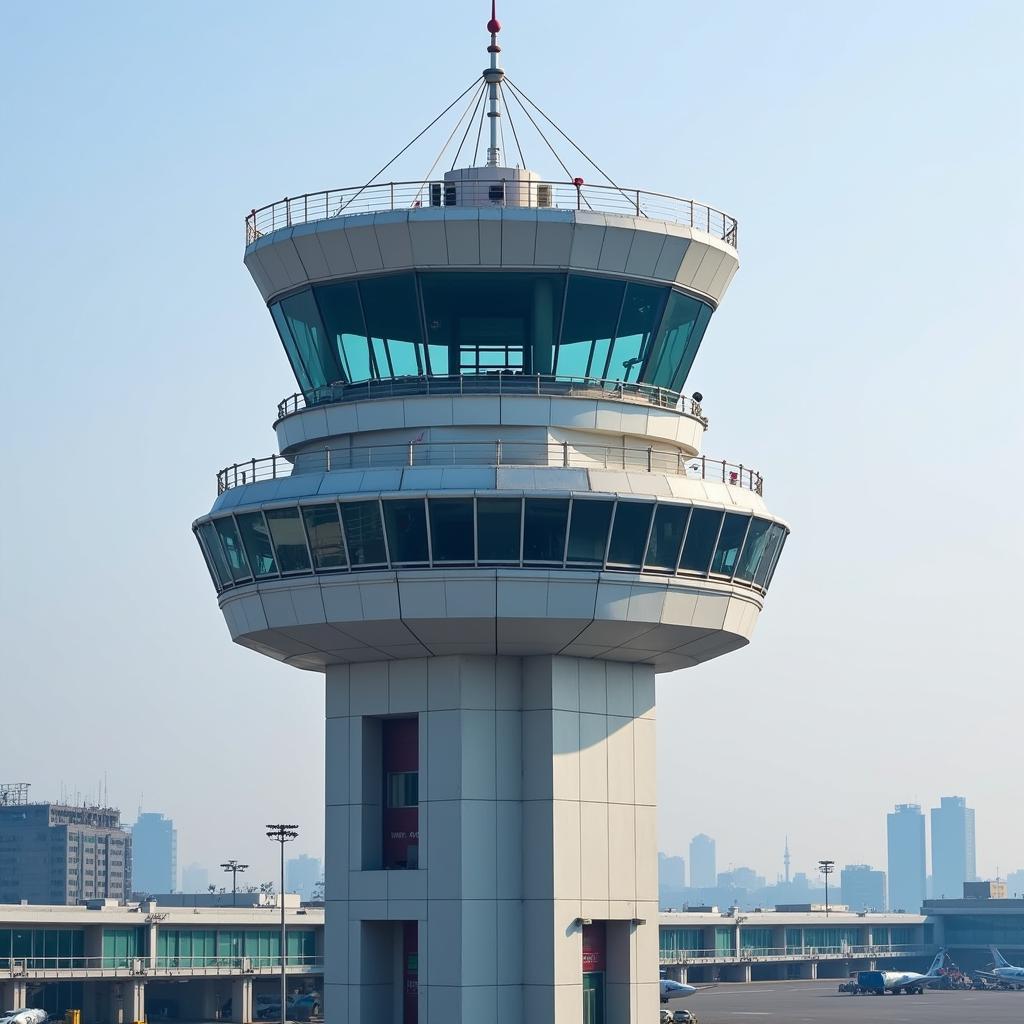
(489, 522)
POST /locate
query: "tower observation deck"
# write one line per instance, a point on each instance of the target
(489, 522)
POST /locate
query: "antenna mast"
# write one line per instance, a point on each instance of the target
(493, 76)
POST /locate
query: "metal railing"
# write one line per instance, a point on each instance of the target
(492, 384)
(559, 195)
(55, 965)
(491, 453)
(753, 954)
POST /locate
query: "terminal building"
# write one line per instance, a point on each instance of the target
(490, 523)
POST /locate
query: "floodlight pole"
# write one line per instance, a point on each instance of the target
(283, 834)
(826, 867)
(234, 867)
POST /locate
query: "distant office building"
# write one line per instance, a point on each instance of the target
(1015, 884)
(863, 888)
(906, 858)
(671, 872)
(302, 874)
(953, 855)
(741, 878)
(56, 853)
(195, 878)
(154, 854)
(703, 874)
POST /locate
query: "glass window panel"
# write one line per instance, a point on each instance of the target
(640, 314)
(303, 318)
(588, 531)
(392, 322)
(692, 345)
(406, 523)
(343, 322)
(438, 356)
(670, 348)
(629, 532)
(451, 529)
(492, 322)
(700, 540)
(729, 542)
(403, 789)
(256, 541)
(544, 529)
(775, 534)
(363, 532)
(285, 333)
(289, 539)
(216, 554)
(324, 531)
(233, 551)
(753, 549)
(778, 555)
(591, 312)
(50, 943)
(666, 536)
(498, 528)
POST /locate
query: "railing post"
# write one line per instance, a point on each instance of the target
(392, 195)
(236, 474)
(703, 467)
(650, 453)
(287, 212)
(565, 453)
(741, 474)
(497, 453)
(327, 459)
(638, 202)
(253, 470)
(305, 208)
(410, 452)
(273, 467)
(679, 463)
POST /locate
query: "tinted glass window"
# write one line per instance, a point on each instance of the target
(778, 555)
(700, 540)
(629, 532)
(775, 535)
(591, 313)
(729, 542)
(666, 536)
(346, 332)
(544, 529)
(640, 314)
(406, 522)
(238, 564)
(670, 349)
(753, 549)
(256, 541)
(216, 554)
(324, 531)
(363, 532)
(393, 322)
(303, 318)
(498, 526)
(451, 529)
(289, 539)
(285, 332)
(588, 531)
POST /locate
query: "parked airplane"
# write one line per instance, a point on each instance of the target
(909, 982)
(1004, 972)
(23, 1016)
(671, 990)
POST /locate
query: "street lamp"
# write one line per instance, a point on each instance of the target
(283, 834)
(234, 867)
(826, 867)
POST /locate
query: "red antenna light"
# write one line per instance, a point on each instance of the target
(494, 26)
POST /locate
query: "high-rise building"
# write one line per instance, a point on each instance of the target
(905, 832)
(57, 853)
(1015, 884)
(703, 870)
(154, 854)
(195, 878)
(302, 874)
(671, 872)
(863, 888)
(490, 525)
(953, 852)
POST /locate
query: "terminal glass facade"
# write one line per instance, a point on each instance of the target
(596, 532)
(122, 945)
(679, 942)
(209, 947)
(470, 323)
(41, 947)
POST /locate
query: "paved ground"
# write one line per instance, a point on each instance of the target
(794, 1002)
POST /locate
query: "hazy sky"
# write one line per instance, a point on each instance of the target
(867, 360)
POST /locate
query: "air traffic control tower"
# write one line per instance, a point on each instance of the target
(490, 524)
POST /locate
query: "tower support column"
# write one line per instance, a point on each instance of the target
(533, 887)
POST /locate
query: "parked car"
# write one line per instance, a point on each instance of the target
(665, 1017)
(683, 1017)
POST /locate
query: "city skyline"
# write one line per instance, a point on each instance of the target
(848, 444)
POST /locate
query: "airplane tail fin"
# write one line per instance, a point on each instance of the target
(940, 959)
(998, 957)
